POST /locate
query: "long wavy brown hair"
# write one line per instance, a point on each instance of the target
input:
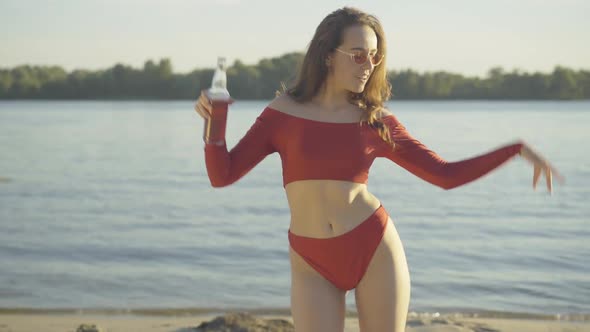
(313, 71)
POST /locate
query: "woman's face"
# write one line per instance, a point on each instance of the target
(346, 73)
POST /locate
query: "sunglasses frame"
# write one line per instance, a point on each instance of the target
(369, 58)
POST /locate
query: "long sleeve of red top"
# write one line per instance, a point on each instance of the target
(225, 168)
(413, 156)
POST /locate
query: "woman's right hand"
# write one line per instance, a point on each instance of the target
(203, 106)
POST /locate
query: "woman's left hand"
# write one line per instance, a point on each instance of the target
(541, 165)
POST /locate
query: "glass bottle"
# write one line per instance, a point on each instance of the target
(214, 130)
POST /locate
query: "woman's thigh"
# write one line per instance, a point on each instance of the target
(316, 304)
(383, 294)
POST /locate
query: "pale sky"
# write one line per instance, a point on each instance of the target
(462, 36)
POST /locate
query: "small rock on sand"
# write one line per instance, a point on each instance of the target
(244, 322)
(88, 328)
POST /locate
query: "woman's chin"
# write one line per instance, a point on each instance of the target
(359, 88)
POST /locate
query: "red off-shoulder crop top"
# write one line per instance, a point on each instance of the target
(311, 149)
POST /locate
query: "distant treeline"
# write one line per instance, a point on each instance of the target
(260, 81)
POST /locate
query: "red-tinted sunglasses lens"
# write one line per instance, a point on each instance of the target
(361, 58)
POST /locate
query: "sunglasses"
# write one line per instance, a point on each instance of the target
(361, 58)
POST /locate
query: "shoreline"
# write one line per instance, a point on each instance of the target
(62, 322)
(215, 311)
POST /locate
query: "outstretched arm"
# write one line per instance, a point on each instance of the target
(415, 157)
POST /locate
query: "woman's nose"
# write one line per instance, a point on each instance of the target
(368, 64)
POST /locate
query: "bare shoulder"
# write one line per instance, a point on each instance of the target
(383, 112)
(282, 102)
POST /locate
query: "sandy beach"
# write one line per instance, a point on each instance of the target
(19, 322)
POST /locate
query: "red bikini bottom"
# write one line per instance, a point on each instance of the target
(343, 259)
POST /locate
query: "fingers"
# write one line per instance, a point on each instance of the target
(549, 180)
(203, 106)
(557, 175)
(536, 175)
(550, 171)
(201, 110)
(541, 165)
(206, 105)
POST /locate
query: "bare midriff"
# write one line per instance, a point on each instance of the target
(328, 208)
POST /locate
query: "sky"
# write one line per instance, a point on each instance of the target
(462, 36)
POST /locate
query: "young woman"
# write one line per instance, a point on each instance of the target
(328, 128)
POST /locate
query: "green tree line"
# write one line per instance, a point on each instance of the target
(262, 80)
